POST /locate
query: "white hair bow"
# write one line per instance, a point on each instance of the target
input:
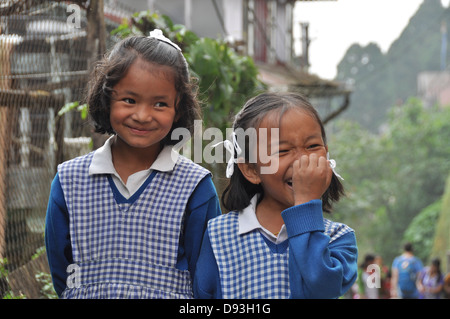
(333, 166)
(231, 147)
(157, 34)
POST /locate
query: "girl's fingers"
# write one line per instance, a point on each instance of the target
(312, 164)
(304, 161)
(323, 162)
(296, 165)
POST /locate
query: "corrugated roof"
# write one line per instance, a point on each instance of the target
(287, 78)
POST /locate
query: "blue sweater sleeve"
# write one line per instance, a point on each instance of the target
(207, 280)
(57, 236)
(202, 206)
(318, 268)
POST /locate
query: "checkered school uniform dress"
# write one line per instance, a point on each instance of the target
(127, 250)
(248, 268)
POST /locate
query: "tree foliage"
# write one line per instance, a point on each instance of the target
(422, 230)
(441, 244)
(390, 178)
(227, 79)
(382, 80)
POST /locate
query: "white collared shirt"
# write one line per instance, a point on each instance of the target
(248, 222)
(102, 164)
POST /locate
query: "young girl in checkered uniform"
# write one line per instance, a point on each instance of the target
(274, 242)
(127, 220)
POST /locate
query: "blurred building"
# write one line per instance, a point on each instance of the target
(262, 29)
(433, 88)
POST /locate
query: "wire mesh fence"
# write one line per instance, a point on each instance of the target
(43, 66)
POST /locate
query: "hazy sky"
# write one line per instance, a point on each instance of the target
(335, 25)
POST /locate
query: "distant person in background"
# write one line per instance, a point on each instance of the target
(430, 282)
(405, 269)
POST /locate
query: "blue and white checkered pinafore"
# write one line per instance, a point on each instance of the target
(248, 268)
(127, 250)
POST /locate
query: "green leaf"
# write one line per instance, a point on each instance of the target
(68, 107)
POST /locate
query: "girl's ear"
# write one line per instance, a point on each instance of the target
(250, 173)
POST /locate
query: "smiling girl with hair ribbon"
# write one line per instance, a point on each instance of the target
(275, 242)
(129, 217)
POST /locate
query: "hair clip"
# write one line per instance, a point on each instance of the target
(157, 34)
(231, 147)
(333, 166)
